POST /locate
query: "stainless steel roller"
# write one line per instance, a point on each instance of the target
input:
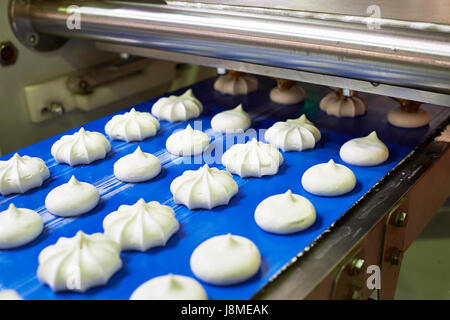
(394, 56)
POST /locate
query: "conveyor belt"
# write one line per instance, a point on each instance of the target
(18, 267)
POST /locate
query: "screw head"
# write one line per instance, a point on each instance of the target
(401, 219)
(55, 109)
(32, 38)
(356, 294)
(356, 266)
(396, 256)
(84, 86)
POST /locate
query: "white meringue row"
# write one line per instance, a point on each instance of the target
(67, 265)
(84, 147)
(220, 260)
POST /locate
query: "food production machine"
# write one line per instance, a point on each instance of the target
(392, 54)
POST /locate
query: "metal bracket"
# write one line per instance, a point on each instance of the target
(19, 18)
(349, 282)
(393, 246)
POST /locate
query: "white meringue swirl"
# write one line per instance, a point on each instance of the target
(82, 147)
(293, 134)
(132, 126)
(141, 226)
(365, 151)
(231, 121)
(72, 198)
(178, 108)
(204, 188)
(137, 167)
(252, 159)
(170, 287)
(20, 174)
(19, 226)
(187, 142)
(79, 263)
(285, 213)
(328, 179)
(225, 260)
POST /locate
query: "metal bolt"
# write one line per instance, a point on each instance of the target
(400, 220)
(54, 108)
(84, 86)
(396, 256)
(221, 71)
(124, 55)
(356, 266)
(32, 38)
(8, 53)
(356, 294)
(347, 92)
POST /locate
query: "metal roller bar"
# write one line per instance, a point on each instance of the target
(419, 60)
(422, 13)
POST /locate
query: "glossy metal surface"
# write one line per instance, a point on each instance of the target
(432, 11)
(415, 59)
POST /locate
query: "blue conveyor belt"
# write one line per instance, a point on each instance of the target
(18, 267)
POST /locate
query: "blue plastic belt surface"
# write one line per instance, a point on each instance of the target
(18, 266)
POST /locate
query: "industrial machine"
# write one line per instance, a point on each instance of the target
(389, 52)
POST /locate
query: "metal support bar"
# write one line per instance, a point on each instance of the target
(412, 59)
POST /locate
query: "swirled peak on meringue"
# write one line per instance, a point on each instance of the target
(178, 108)
(231, 121)
(203, 188)
(137, 167)
(365, 151)
(293, 134)
(141, 226)
(132, 126)
(72, 198)
(252, 159)
(82, 147)
(20, 174)
(170, 287)
(79, 263)
(187, 142)
(19, 226)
